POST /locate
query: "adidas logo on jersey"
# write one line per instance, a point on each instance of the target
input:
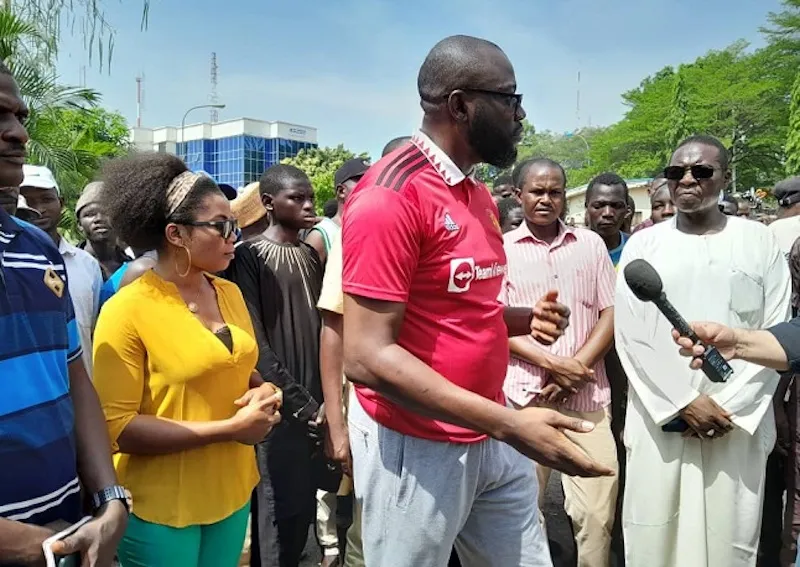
(449, 223)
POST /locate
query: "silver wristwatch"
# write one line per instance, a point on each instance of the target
(103, 497)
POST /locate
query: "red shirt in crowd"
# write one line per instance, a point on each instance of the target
(416, 230)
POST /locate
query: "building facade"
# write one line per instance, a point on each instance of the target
(235, 152)
(637, 188)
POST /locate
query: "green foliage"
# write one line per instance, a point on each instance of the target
(793, 139)
(678, 122)
(320, 164)
(87, 17)
(783, 32)
(68, 133)
(734, 94)
(74, 143)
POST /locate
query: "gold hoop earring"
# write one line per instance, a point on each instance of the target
(188, 264)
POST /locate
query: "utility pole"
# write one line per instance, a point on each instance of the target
(213, 99)
(139, 97)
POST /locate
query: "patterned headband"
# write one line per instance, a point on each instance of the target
(179, 188)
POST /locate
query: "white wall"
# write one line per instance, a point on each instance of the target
(150, 137)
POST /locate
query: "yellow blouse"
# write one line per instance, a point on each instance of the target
(153, 357)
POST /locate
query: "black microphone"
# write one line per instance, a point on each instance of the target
(645, 283)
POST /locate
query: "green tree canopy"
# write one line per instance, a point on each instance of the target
(320, 164)
(737, 95)
(793, 139)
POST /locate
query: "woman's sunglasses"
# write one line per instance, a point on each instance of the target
(676, 172)
(226, 228)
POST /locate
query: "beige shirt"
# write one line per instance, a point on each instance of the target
(331, 297)
(786, 231)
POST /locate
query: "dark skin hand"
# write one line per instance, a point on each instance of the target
(22, 543)
(576, 372)
(545, 322)
(704, 415)
(97, 540)
(569, 374)
(373, 358)
(553, 394)
(337, 440)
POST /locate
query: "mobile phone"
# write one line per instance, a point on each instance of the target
(677, 425)
(73, 560)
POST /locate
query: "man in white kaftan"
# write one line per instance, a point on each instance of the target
(696, 501)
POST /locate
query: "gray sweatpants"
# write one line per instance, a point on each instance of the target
(420, 497)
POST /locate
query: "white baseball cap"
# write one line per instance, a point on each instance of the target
(25, 212)
(40, 177)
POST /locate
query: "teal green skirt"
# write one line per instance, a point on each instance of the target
(213, 545)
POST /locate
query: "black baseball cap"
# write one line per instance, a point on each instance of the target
(355, 167)
(229, 191)
(787, 192)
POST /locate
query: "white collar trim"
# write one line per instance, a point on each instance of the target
(441, 162)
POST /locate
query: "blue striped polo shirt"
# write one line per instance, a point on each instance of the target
(38, 339)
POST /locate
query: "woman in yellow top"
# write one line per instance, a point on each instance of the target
(174, 356)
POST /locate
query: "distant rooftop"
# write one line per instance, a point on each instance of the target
(225, 129)
(632, 183)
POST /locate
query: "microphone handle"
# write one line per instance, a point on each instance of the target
(675, 318)
(715, 367)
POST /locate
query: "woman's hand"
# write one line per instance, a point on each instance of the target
(257, 418)
(263, 392)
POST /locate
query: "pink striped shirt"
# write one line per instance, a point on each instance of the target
(578, 266)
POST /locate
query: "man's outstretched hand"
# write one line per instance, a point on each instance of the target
(714, 334)
(550, 318)
(538, 433)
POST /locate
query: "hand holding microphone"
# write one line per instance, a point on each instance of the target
(645, 283)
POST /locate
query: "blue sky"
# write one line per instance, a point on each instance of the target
(348, 67)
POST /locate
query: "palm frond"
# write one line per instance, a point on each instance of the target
(20, 36)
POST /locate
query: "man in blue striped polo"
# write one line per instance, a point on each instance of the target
(53, 438)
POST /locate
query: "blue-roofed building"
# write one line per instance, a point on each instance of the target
(235, 152)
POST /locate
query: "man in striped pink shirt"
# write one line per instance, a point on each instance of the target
(543, 254)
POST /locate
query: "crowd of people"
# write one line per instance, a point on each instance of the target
(210, 363)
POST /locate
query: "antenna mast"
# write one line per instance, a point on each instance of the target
(578, 105)
(214, 97)
(138, 102)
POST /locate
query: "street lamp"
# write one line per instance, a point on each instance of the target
(183, 123)
(588, 149)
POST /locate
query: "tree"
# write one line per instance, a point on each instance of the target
(678, 127)
(320, 164)
(56, 16)
(784, 30)
(734, 94)
(793, 139)
(91, 136)
(68, 134)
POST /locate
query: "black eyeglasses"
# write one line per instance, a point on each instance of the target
(226, 228)
(676, 172)
(512, 100)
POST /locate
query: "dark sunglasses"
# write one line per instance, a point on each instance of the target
(512, 100)
(226, 228)
(676, 172)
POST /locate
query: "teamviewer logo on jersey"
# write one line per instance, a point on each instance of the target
(462, 272)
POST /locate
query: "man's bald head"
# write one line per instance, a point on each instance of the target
(459, 62)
